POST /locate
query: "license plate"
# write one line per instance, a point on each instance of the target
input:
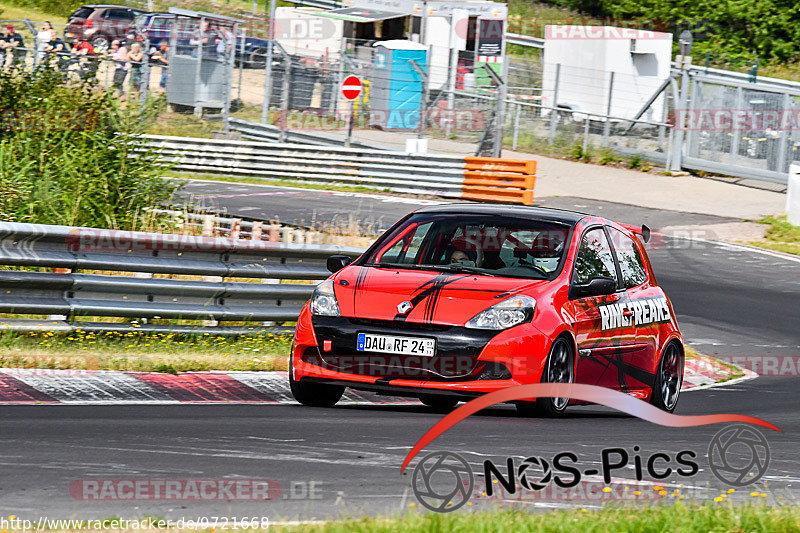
(371, 342)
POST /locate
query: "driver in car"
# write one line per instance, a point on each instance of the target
(459, 257)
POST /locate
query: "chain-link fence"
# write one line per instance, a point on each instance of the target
(124, 66)
(742, 127)
(722, 125)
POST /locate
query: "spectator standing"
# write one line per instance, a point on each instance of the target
(161, 58)
(43, 39)
(13, 41)
(83, 54)
(59, 50)
(135, 56)
(119, 54)
(225, 43)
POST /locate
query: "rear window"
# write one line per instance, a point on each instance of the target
(82, 13)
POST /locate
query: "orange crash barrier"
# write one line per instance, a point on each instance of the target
(499, 180)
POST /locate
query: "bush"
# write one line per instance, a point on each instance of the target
(65, 152)
(607, 156)
(635, 162)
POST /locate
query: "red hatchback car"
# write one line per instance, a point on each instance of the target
(459, 300)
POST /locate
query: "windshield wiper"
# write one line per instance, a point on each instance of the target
(410, 266)
(455, 267)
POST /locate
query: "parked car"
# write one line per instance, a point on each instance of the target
(158, 26)
(100, 24)
(456, 301)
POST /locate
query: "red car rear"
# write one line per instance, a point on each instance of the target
(458, 300)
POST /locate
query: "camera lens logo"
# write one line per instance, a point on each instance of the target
(442, 481)
(738, 455)
(528, 477)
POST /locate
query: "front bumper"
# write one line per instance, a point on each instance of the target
(467, 362)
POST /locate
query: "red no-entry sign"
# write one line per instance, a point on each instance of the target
(351, 87)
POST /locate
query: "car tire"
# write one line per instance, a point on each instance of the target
(559, 368)
(438, 403)
(257, 58)
(668, 379)
(314, 394)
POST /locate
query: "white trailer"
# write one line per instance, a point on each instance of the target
(584, 57)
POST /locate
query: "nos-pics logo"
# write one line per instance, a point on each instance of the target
(443, 481)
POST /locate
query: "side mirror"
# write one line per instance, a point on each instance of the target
(337, 262)
(597, 286)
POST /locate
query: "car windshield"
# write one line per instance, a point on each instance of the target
(490, 245)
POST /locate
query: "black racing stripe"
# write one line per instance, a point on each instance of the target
(361, 279)
(430, 291)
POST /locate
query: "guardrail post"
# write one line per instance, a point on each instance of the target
(59, 271)
(236, 228)
(287, 234)
(255, 233)
(274, 232)
(208, 225)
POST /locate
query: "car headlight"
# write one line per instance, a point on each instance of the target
(503, 315)
(323, 301)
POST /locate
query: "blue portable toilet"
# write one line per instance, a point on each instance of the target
(396, 87)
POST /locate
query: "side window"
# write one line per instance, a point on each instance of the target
(594, 257)
(630, 262)
(404, 251)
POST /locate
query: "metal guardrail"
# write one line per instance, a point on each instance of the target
(255, 131)
(524, 40)
(323, 4)
(433, 174)
(141, 296)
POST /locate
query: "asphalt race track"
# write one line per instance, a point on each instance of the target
(346, 460)
(376, 212)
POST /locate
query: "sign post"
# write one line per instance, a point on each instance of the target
(351, 89)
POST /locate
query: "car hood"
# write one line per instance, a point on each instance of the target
(436, 297)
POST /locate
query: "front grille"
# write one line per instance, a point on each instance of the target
(456, 357)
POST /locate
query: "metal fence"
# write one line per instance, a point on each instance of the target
(460, 102)
(153, 277)
(135, 78)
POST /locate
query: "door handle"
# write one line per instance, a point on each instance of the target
(627, 312)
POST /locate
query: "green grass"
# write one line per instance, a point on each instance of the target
(652, 519)
(13, 12)
(281, 183)
(780, 236)
(140, 351)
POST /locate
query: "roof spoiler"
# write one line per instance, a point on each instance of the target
(642, 230)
